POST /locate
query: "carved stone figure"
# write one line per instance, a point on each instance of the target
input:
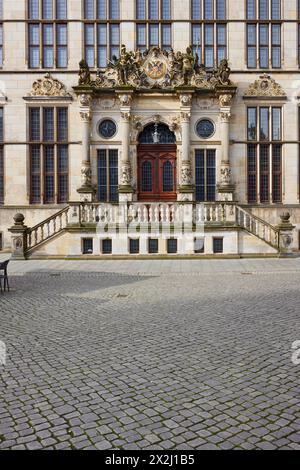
(155, 68)
(126, 174)
(86, 174)
(84, 73)
(186, 174)
(225, 175)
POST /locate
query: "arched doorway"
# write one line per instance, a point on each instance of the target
(157, 164)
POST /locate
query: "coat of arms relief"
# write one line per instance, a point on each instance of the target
(156, 68)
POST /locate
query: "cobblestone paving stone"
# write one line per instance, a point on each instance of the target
(98, 359)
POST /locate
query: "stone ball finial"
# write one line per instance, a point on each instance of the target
(19, 219)
(285, 217)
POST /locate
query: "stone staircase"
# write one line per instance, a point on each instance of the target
(81, 216)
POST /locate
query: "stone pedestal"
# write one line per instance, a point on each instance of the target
(18, 238)
(285, 229)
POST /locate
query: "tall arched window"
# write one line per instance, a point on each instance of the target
(167, 177)
(147, 177)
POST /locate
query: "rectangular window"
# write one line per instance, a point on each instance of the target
(172, 245)
(101, 33)
(218, 245)
(48, 151)
(1, 45)
(87, 246)
(209, 31)
(264, 157)
(106, 246)
(107, 175)
(264, 36)
(153, 245)
(153, 31)
(47, 34)
(199, 245)
(1, 158)
(134, 246)
(205, 175)
(1, 241)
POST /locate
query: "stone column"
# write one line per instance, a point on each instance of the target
(125, 178)
(86, 189)
(225, 186)
(186, 187)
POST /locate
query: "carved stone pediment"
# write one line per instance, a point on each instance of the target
(265, 86)
(155, 69)
(50, 87)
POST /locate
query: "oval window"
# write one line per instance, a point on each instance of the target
(205, 128)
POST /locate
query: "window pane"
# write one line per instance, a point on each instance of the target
(102, 41)
(196, 9)
(208, 9)
(101, 10)
(221, 35)
(251, 9)
(35, 178)
(141, 35)
(61, 9)
(263, 9)
(252, 123)
(166, 35)
(48, 35)
(252, 174)
(114, 35)
(276, 35)
(89, 9)
(61, 33)
(49, 173)
(153, 10)
(276, 123)
(276, 173)
(34, 124)
(47, 9)
(62, 164)
(114, 9)
(165, 9)
(34, 57)
(153, 35)
(34, 34)
(210, 175)
(147, 177)
(48, 124)
(264, 173)
(275, 9)
(102, 56)
(140, 9)
(221, 10)
(167, 177)
(48, 59)
(113, 175)
(102, 176)
(264, 123)
(62, 124)
(33, 10)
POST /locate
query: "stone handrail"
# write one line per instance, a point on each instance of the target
(145, 213)
(258, 227)
(47, 229)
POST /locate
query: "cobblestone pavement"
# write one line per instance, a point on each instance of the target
(151, 355)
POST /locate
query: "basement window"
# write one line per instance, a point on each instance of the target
(107, 246)
(87, 246)
(218, 245)
(172, 245)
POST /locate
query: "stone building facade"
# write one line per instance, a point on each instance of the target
(149, 127)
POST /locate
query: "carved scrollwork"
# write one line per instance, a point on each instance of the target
(49, 86)
(225, 100)
(265, 86)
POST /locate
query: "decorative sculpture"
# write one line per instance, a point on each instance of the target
(84, 73)
(155, 68)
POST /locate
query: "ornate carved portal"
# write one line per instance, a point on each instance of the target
(157, 172)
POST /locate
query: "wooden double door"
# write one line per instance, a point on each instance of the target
(157, 172)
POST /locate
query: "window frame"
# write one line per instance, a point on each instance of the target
(41, 143)
(147, 23)
(270, 23)
(110, 48)
(203, 23)
(41, 45)
(257, 169)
